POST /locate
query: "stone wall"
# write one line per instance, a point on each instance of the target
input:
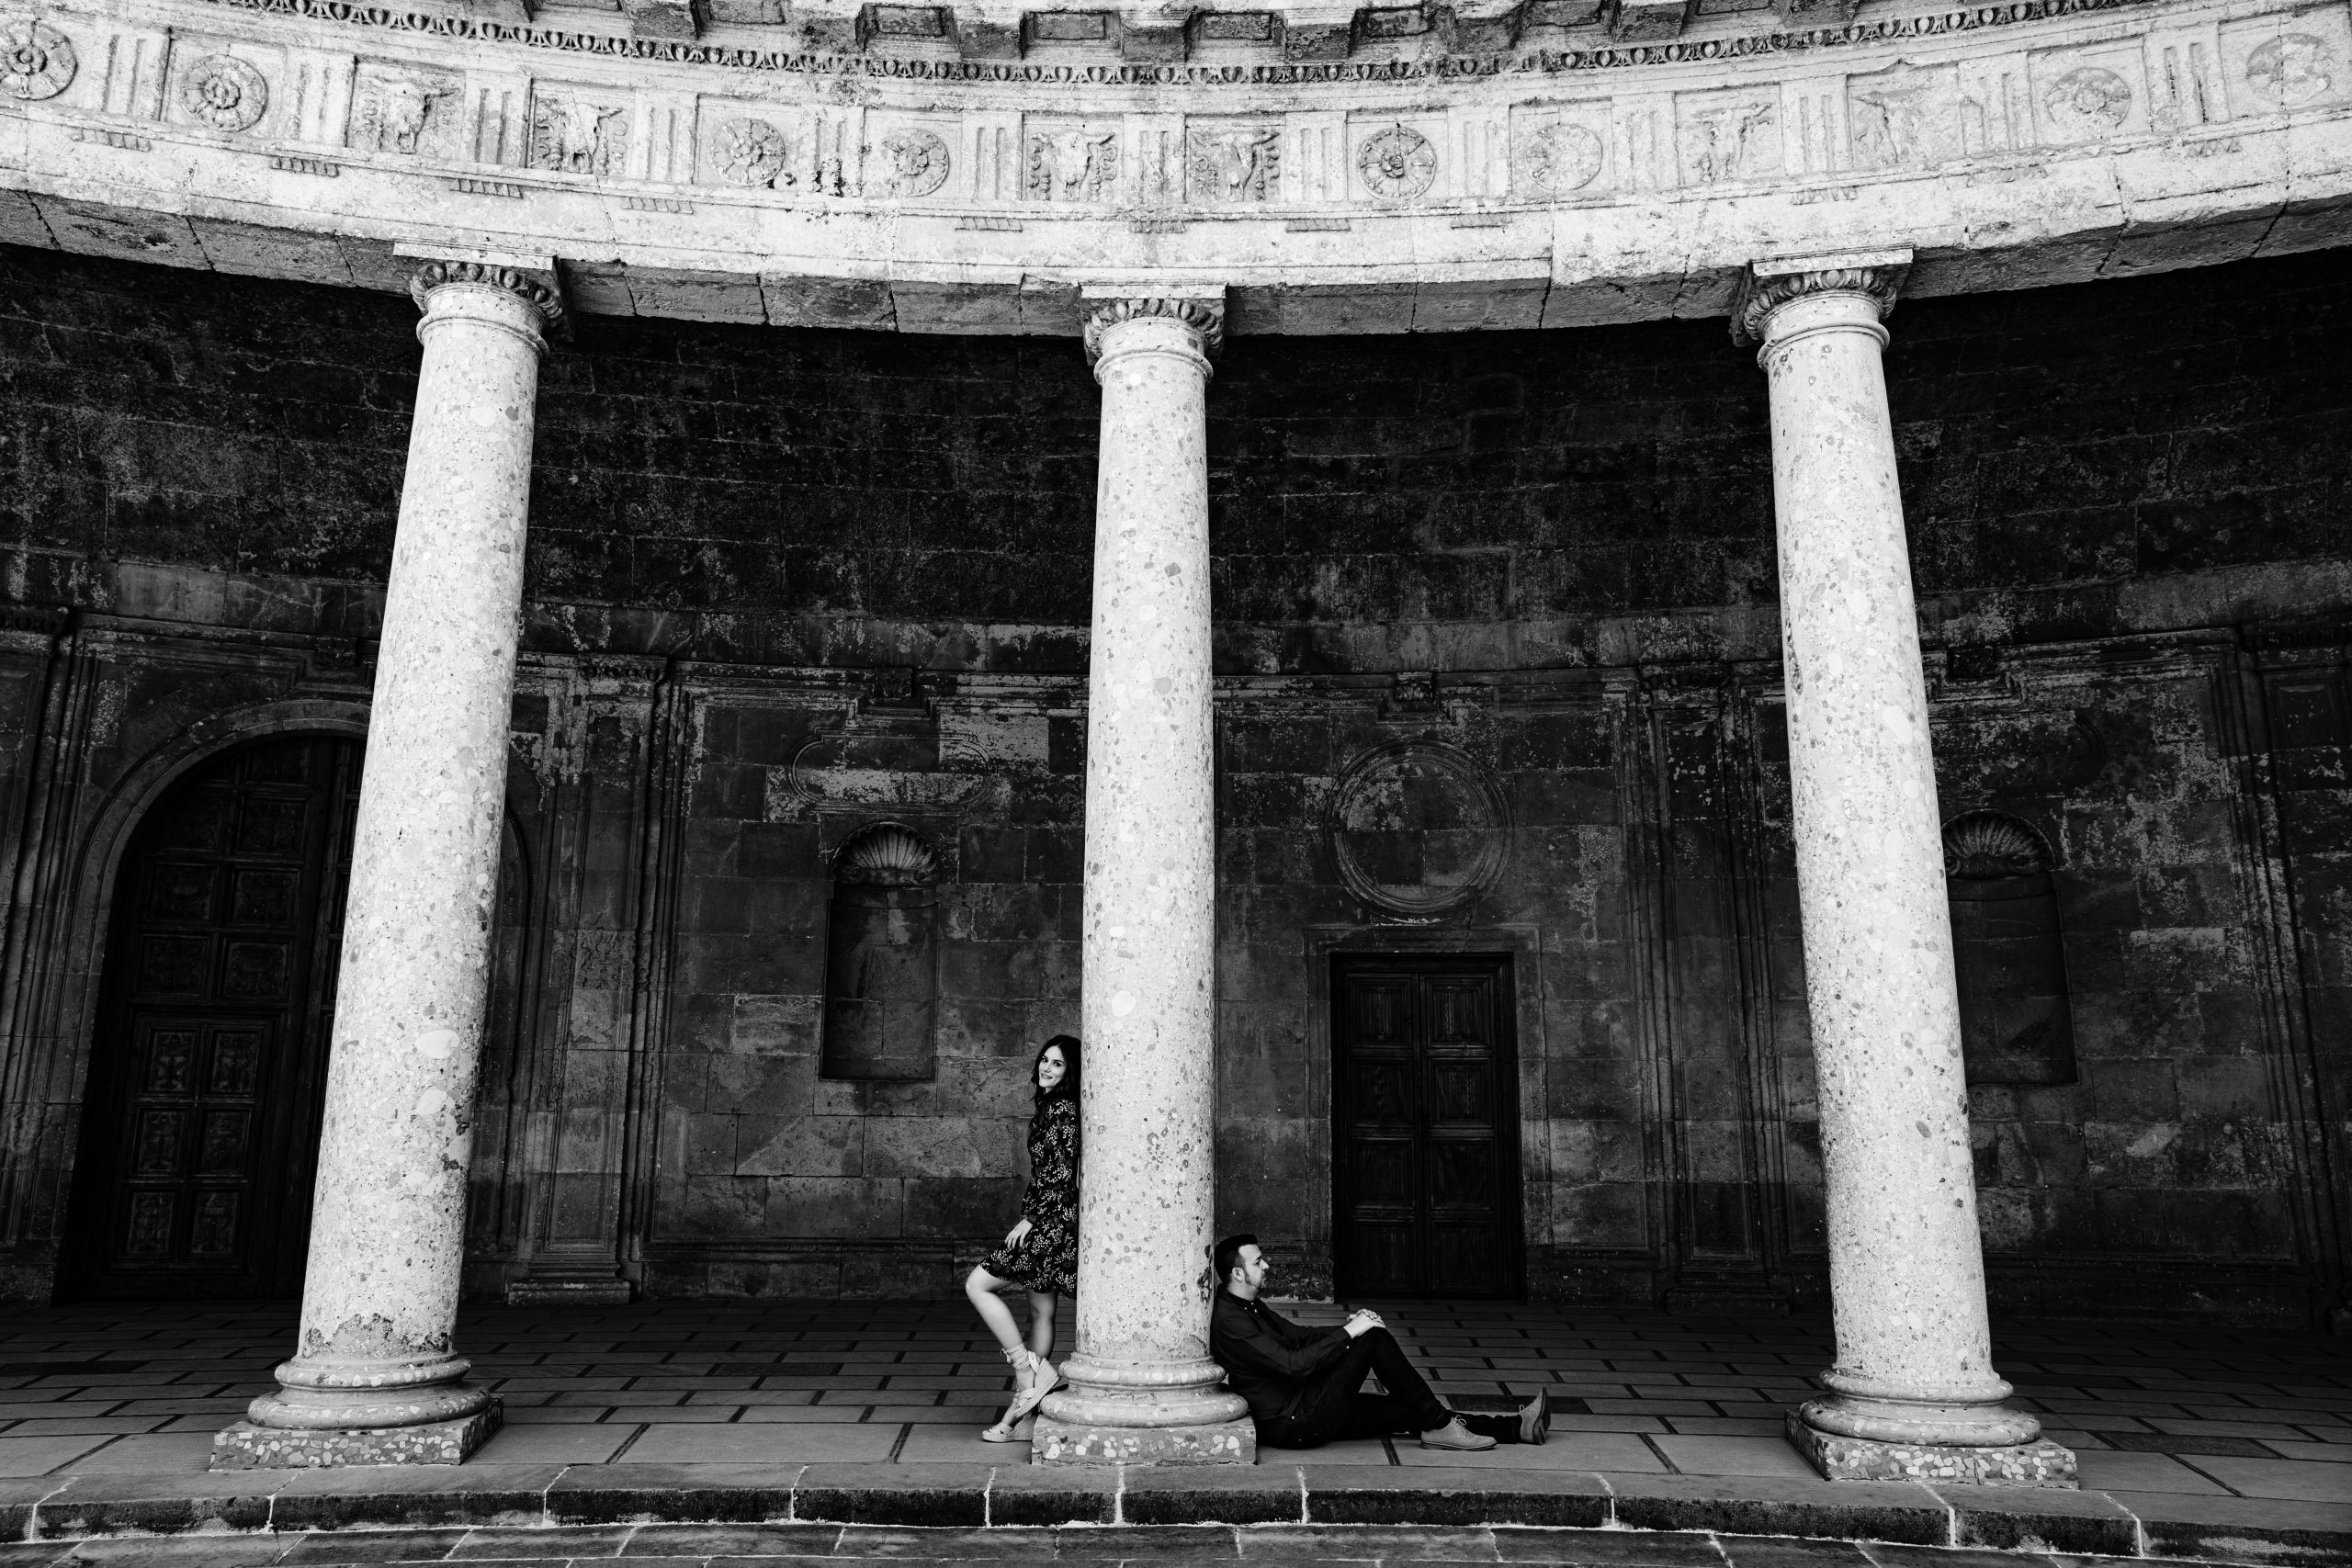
(788, 583)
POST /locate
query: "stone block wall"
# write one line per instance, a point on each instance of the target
(786, 585)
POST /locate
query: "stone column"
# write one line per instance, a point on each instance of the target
(1142, 1388)
(1913, 1393)
(373, 1380)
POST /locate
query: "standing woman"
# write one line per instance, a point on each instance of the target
(1040, 1254)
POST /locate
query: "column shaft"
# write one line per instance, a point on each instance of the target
(1143, 1389)
(374, 1380)
(1915, 1392)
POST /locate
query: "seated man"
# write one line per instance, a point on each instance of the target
(1305, 1385)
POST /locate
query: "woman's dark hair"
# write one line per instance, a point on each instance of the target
(1068, 1088)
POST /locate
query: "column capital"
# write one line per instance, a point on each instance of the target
(531, 279)
(1203, 310)
(1767, 285)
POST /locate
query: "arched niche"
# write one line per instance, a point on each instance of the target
(2009, 950)
(882, 957)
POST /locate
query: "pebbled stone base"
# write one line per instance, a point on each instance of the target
(2042, 1463)
(1224, 1443)
(247, 1446)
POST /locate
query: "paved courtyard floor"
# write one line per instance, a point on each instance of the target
(2207, 1430)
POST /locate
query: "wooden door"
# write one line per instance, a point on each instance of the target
(1424, 1123)
(200, 1132)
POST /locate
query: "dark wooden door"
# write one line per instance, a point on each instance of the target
(1425, 1127)
(201, 1127)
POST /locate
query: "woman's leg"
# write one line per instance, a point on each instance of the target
(982, 1287)
(1041, 1321)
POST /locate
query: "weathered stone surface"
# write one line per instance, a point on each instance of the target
(2038, 1463)
(245, 1445)
(1060, 1442)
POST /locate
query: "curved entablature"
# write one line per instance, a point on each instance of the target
(772, 165)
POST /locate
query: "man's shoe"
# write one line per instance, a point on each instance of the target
(1535, 1418)
(1455, 1435)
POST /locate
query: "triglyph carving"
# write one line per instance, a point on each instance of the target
(1235, 163)
(572, 133)
(1397, 164)
(914, 162)
(2087, 102)
(1558, 158)
(1730, 137)
(35, 61)
(1072, 165)
(394, 110)
(1906, 116)
(2289, 72)
(224, 92)
(753, 153)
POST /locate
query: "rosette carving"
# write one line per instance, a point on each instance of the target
(225, 93)
(1397, 164)
(916, 161)
(753, 152)
(1559, 158)
(35, 61)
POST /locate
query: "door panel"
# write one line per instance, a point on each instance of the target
(201, 1128)
(1425, 1127)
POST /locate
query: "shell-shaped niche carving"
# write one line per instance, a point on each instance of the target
(1993, 843)
(889, 854)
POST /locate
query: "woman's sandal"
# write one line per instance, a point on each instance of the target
(1007, 1432)
(1048, 1378)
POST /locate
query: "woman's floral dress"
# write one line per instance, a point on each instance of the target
(1046, 1258)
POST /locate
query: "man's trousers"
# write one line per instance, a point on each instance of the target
(1334, 1406)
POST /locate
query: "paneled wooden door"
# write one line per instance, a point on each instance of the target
(1425, 1127)
(199, 1139)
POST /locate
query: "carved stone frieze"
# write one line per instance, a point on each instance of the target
(1558, 158)
(915, 162)
(37, 61)
(752, 152)
(577, 131)
(1397, 163)
(1230, 163)
(1075, 164)
(403, 111)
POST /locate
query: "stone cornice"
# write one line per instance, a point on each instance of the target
(877, 60)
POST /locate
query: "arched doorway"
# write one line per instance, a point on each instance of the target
(201, 1114)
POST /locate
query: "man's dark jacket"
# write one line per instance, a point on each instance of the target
(1268, 1359)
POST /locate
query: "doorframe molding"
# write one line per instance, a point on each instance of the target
(1522, 944)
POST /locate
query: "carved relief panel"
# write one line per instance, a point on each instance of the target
(406, 110)
(1907, 117)
(2279, 64)
(909, 158)
(1732, 133)
(1560, 151)
(1070, 161)
(579, 130)
(1233, 162)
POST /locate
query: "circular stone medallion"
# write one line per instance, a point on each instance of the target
(2289, 72)
(917, 161)
(752, 152)
(224, 92)
(1418, 828)
(1560, 158)
(1397, 164)
(2086, 102)
(35, 61)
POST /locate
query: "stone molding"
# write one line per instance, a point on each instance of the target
(1771, 284)
(1204, 314)
(531, 290)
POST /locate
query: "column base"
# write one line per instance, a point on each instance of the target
(2038, 1463)
(248, 1447)
(1075, 1442)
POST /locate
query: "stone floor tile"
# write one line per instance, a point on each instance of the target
(2311, 1452)
(182, 1552)
(162, 1454)
(897, 1495)
(372, 1546)
(1607, 1548)
(577, 1542)
(1727, 1425)
(1288, 1544)
(1773, 1552)
(555, 1444)
(2238, 1529)
(765, 1442)
(1715, 1455)
(768, 1541)
(673, 1415)
(1355, 1451)
(555, 1416)
(39, 1456)
(1564, 1451)
(2279, 1478)
(818, 1415)
(1184, 1544)
(958, 1445)
(2104, 1470)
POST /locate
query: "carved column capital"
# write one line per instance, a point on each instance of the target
(532, 286)
(1768, 286)
(1204, 313)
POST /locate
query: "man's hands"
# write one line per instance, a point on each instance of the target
(1017, 1234)
(1364, 1322)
